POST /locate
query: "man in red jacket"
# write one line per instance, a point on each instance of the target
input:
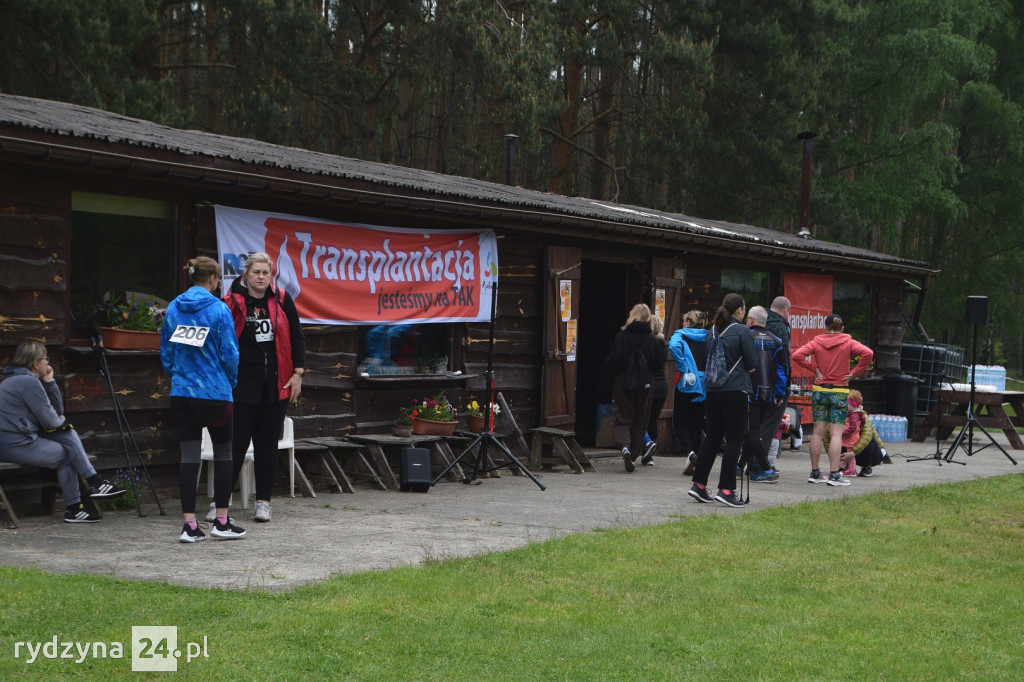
(828, 356)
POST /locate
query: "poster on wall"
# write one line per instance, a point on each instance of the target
(570, 341)
(342, 273)
(811, 299)
(659, 305)
(565, 298)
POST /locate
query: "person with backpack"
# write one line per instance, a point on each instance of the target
(633, 356)
(731, 357)
(828, 356)
(768, 384)
(690, 353)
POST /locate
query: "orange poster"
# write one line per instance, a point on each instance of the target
(811, 300)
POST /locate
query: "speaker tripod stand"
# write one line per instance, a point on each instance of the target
(486, 437)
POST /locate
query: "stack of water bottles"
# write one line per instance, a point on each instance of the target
(891, 428)
(989, 377)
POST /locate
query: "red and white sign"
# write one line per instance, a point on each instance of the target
(811, 299)
(340, 273)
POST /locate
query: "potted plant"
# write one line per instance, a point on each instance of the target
(434, 416)
(403, 425)
(475, 416)
(130, 324)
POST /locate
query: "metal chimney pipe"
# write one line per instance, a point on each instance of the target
(805, 185)
(510, 159)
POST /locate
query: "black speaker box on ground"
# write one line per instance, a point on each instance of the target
(415, 470)
(977, 310)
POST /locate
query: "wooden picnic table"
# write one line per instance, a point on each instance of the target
(988, 409)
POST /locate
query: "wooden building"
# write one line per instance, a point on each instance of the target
(90, 198)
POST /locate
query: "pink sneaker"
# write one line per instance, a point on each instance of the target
(850, 471)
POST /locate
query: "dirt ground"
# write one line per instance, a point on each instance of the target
(310, 539)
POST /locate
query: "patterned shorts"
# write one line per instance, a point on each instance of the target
(829, 406)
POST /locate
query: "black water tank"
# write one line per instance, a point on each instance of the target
(901, 397)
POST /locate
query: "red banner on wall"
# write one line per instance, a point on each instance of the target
(340, 273)
(811, 299)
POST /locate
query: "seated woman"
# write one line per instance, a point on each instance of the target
(861, 445)
(33, 431)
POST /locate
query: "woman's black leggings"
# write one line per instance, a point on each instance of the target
(262, 425)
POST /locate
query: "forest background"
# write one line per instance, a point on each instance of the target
(689, 106)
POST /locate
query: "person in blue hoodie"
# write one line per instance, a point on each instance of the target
(34, 432)
(199, 352)
(690, 354)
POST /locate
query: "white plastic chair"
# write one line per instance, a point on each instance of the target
(247, 476)
(287, 442)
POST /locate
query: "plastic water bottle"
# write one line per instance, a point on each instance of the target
(901, 434)
(999, 377)
(883, 424)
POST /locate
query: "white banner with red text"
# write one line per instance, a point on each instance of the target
(345, 273)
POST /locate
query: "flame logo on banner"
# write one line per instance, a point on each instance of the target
(286, 278)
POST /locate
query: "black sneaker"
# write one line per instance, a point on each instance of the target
(700, 494)
(627, 459)
(106, 490)
(227, 531)
(78, 514)
(729, 500)
(691, 464)
(648, 458)
(866, 471)
(189, 535)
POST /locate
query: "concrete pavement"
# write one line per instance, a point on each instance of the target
(313, 539)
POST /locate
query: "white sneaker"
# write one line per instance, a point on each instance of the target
(211, 515)
(262, 511)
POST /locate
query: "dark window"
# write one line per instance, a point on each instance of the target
(852, 302)
(120, 246)
(750, 284)
(407, 348)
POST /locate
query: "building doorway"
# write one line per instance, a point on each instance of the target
(608, 290)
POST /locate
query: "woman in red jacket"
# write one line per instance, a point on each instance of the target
(828, 356)
(272, 351)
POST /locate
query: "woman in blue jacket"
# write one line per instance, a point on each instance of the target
(690, 354)
(199, 352)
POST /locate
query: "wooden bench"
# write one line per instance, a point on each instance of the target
(553, 447)
(385, 449)
(48, 490)
(329, 453)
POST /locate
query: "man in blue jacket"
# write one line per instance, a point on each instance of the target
(778, 324)
(768, 384)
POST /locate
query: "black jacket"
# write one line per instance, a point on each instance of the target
(779, 326)
(636, 335)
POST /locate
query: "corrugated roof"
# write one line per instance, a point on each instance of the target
(77, 122)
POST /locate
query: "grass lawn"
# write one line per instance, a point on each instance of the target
(921, 584)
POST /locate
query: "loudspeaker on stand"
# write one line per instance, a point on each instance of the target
(977, 310)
